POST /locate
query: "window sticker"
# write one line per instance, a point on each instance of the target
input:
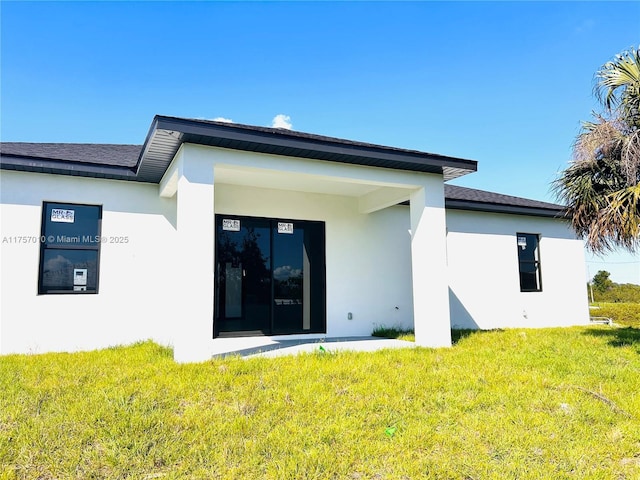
(522, 242)
(284, 227)
(230, 225)
(79, 276)
(62, 215)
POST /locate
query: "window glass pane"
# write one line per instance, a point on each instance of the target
(288, 267)
(64, 269)
(233, 290)
(243, 253)
(527, 247)
(529, 262)
(288, 276)
(529, 277)
(71, 225)
(314, 247)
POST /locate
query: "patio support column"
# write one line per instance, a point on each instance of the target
(429, 264)
(194, 254)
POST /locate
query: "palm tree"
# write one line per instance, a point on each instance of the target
(601, 186)
(618, 85)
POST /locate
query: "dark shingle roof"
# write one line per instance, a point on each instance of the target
(464, 198)
(148, 162)
(167, 134)
(312, 137)
(99, 154)
(116, 162)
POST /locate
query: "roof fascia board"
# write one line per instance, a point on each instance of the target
(186, 126)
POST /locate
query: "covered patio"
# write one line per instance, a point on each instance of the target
(210, 167)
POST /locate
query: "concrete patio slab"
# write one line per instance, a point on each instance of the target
(266, 347)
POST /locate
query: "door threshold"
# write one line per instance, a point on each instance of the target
(260, 333)
(245, 333)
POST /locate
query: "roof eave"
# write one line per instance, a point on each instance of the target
(454, 204)
(166, 134)
(61, 167)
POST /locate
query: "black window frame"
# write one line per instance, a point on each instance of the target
(51, 241)
(527, 266)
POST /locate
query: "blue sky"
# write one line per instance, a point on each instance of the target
(503, 83)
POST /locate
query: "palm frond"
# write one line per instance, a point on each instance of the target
(620, 220)
(599, 139)
(630, 158)
(618, 81)
(601, 186)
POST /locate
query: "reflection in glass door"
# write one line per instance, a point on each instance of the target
(243, 271)
(269, 276)
(289, 279)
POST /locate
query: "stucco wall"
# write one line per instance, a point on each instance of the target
(484, 286)
(368, 262)
(135, 299)
(368, 265)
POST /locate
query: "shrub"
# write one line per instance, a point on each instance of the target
(394, 332)
(627, 314)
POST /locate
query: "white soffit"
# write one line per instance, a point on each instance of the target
(279, 180)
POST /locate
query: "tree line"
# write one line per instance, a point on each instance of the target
(603, 289)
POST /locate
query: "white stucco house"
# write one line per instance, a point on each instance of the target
(213, 230)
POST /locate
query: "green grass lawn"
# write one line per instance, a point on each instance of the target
(513, 404)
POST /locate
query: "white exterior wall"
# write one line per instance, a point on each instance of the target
(484, 282)
(159, 285)
(136, 298)
(368, 258)
(146, 286)
(429, 266)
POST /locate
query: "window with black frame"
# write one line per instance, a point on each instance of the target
(529, 262)
(69, 248)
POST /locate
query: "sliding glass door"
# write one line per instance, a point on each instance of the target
(270, 276)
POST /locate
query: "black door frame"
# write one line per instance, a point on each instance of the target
(318, 286)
